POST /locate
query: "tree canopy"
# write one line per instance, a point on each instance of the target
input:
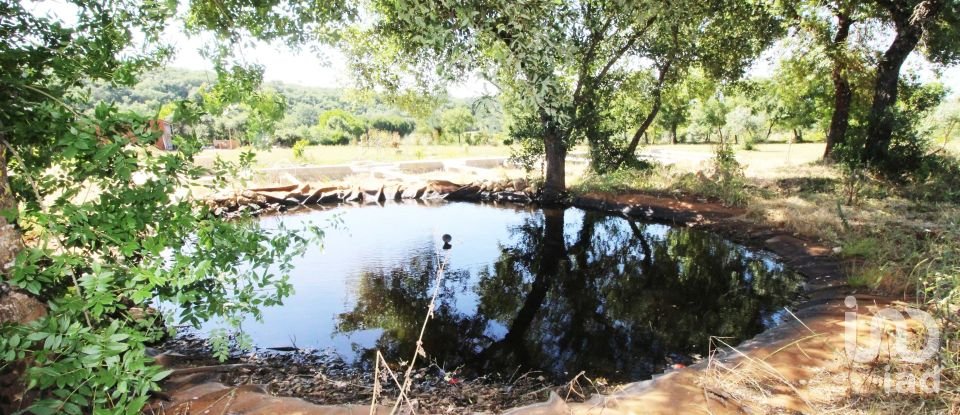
(557, 63)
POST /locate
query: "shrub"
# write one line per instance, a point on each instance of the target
(335, 137)
(299, 148)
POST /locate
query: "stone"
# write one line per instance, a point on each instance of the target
(287, 188)
(442, 186)
(280, 198)
(356, 195)
(20, 308)
(465, 193)
(329, 197)
(314, 197)
(415, 193)
(249, 196)
(519, 184)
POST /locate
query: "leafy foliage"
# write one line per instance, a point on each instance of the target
(113, 225)
(402, 126)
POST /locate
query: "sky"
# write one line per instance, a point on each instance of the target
(328, 68)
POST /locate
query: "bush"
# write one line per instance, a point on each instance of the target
(335, 138)
(287, 137)
(393, 124)
(299, 148)
(725, 179)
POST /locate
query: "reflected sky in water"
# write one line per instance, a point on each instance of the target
(553, 290)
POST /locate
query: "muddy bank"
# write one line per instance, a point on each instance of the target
(249, 383)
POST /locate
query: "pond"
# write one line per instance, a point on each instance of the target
(555, 290)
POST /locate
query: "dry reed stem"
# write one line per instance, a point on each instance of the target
(442, 260)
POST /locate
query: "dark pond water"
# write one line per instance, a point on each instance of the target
(548, 289)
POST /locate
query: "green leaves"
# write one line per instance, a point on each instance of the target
(110, 241)
(117, 244)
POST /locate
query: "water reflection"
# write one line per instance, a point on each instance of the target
(574, 291)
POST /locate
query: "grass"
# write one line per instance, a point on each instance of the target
(901, 241)
(330, 155)
(722, 181)
(764, 162)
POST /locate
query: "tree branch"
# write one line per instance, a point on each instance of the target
(620, 52)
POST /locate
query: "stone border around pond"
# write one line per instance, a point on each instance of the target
(281, 198)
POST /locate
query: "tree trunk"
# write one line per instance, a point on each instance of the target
(842, 94)
(769, 131)
(720, 133)
(10, 242)
(909, 24)
(554, 184)
(555, 181)
(654, 109)
(797, 135)
(673, 134)
(646, 139)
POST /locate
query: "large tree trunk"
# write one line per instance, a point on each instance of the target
(555, 181)
(909, 23)
(673, 134)
(842, 94)
(554, 185)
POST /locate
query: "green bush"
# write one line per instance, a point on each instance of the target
(335, 138)
(299, 148)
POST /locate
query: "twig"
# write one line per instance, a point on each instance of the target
(407, 377)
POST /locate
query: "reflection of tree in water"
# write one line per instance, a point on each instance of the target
(396, 301)
(613, 299)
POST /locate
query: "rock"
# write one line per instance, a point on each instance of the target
(356, 195)
(314, 196)
(442, 186)
(329, 197)
(415, 193)
(280, 198)
(287, 188)
(376, 196)
(519, 184)
(465, 193)
(20, 308)
(249, 196)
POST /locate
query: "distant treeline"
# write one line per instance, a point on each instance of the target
(318, 115)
